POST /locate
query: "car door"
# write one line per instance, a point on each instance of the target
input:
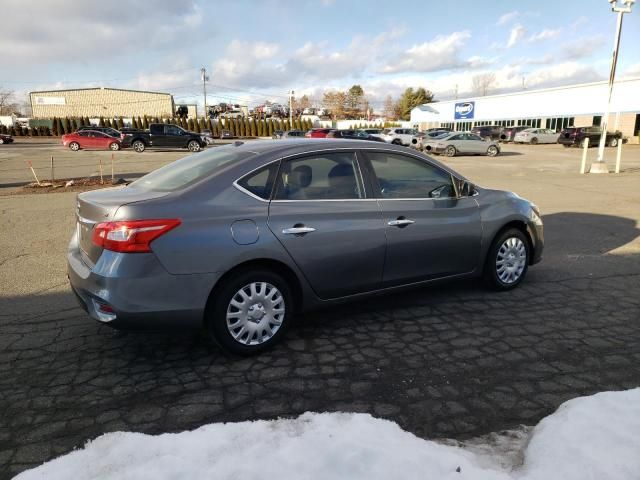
(458, 142)
(321, 216)
(83, 139)
(475, 144)
(430, 233)
(173, 137)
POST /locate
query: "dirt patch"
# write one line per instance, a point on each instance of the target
(64, 185)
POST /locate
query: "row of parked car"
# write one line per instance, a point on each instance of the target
(158, 135)
(570, 136)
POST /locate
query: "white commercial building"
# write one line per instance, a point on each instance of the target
(556, 108)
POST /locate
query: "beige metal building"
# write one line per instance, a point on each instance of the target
(100, 102)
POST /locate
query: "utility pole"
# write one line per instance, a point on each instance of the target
(203, 75)
(599, 166)
(291, 108)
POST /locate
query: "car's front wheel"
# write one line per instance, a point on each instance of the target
(251, 312)
(450, 151)
(507, 260)
(75, 146)
(115, 146)
(613, 142)
(193, 146)
(492, 151)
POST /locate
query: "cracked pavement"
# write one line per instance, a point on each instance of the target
(452, 361)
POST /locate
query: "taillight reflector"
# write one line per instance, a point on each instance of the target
(131, 236)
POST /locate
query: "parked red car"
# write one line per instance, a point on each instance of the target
(318, 132)
(90, 139)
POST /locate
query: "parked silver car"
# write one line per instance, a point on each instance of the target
(457, 143)
(536, 135)
(239, 238)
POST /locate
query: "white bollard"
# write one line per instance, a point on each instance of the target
(618, 155)
(584, 155)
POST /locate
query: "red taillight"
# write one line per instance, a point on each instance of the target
(131, 236)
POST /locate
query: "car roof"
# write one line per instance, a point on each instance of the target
(269, 150)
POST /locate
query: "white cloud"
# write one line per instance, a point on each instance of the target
(517, 33)
(632, 72)
(54, 31)
(545, 34)
(441, 53)
(507, 17)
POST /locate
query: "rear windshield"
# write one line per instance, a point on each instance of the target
(191, 169)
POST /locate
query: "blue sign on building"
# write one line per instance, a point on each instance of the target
(464, 110)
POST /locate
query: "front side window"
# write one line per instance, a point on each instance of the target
(173, 130)
(400, 176)
(327, 176)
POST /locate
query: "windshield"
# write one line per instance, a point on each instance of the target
(189, 170)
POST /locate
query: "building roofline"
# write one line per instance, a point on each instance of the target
(98, 88)
(526, 92)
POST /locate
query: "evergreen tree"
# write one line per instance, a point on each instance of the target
(254, 132)
(145, 122)
(101, 122)
(120, 123)
(74, 125)
(54, 126)
(67, 125)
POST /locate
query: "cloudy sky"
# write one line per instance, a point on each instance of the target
(257, 50)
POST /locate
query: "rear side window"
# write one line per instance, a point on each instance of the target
(260, 183)
(328, 176)
(191, 169)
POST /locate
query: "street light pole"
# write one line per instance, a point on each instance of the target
(203, 74)
(291, 93)
(599, 166)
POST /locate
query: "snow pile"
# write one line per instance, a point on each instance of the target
(595, 437)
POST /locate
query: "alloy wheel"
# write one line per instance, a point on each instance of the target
(511, 260)
(255, 313)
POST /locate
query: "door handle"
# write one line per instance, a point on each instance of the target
(400, 222)
(298, 230)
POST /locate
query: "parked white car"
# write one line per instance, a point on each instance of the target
(536, 135)
(398, 136)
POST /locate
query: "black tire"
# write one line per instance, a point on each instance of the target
(450, 151)
(396, 141)
(613, 142)
(74, 146)
(534, 141)
(138, 146)
(492, 151)
(565, 145)
(491, 275)
(194, 146)
(1, 141)
(216, 316)
(115, 146)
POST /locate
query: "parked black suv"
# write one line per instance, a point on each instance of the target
(163, 135)
(576, 135)
(487, 132)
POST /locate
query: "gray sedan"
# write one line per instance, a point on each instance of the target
(240, 238)
(460, 143)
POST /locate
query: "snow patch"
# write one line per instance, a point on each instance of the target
(592, 437)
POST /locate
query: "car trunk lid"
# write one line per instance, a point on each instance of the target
(101, 206)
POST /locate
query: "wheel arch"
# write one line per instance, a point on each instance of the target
(519, 225)
(275, 266)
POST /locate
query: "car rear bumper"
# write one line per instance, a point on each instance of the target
(568, 141)
(138, 290)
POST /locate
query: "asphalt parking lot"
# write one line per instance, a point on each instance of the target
(453, 361)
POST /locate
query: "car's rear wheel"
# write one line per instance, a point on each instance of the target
(193, 146)
(508, 259)
(492, 151)
(1, 141)
(138, 146)
(115, 146)
(534, 141)
(613, 142)
(75, 146)
(251, 312)
(396, 141)
(450, 151)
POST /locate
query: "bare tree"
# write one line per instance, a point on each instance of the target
(482, 83)
(335, 103)
(390, 108)
(6, 101)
